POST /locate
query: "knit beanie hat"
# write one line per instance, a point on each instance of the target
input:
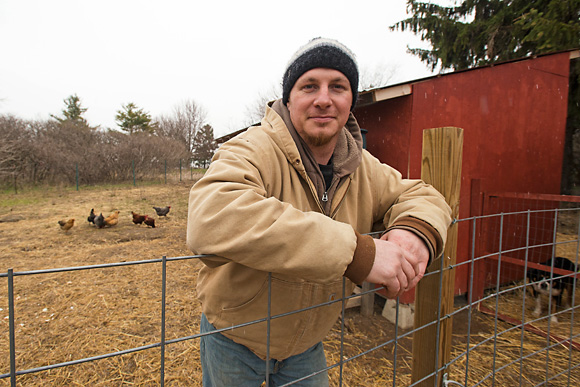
(321, 52)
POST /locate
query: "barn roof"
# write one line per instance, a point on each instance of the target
(367, 97)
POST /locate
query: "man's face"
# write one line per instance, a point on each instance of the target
(319, 105)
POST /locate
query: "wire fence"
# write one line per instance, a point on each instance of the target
(501, 337)
(164, 171)
(130, 172)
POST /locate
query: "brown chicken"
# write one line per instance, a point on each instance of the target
(137, 218)
(112, 219)
(66, 224)
(149, 221)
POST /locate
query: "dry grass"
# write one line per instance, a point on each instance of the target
(66, 316)
(73, 315)
(525, 358)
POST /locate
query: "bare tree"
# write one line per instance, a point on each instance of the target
(255, 111)
(8, 157)
(183, 125)
(14, 134)
(379, 76)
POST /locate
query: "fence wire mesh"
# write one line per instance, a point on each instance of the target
(502, 334)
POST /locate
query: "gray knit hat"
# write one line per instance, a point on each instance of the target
(321, 52)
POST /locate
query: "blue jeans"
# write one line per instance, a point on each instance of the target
(226, 364)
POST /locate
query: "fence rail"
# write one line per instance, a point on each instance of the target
(498, 339)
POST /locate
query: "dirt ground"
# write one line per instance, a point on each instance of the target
(84, 313)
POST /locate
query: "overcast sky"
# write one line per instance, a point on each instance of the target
(158, 54)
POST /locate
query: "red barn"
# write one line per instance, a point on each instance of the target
(514, 119)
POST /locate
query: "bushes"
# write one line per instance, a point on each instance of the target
(51, 151)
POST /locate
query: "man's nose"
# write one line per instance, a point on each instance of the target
(323, 99)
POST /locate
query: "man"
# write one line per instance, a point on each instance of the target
(284, 208)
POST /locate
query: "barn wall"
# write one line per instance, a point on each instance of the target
(513, 116)
(514, 119)
(389, 131)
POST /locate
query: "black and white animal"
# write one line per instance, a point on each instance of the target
(541, 285)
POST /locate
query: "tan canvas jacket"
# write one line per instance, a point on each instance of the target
(258, 212)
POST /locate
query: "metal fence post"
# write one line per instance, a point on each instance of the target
(441, 167)
(133, 168)
(268, 327)
(165, 171)
(11, 328)
(163, 291)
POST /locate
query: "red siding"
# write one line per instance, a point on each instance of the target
(389, 131)
(514, 120)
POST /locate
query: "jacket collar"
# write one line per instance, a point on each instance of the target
(346, 158)
(347, 153)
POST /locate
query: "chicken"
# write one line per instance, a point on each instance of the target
(91, 218)
(100, 221)
(112, 219)
(149, 221)
(66, 224)
(162, 211)
(137, 218)
(111, 222)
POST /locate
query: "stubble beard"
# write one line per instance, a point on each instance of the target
(319, 140)
(322, 137)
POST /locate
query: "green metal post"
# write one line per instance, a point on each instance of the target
(11, 326)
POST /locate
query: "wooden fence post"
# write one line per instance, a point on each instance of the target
(441, 167)
(367, 303)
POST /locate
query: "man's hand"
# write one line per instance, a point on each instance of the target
(416, 253)
(400, 262)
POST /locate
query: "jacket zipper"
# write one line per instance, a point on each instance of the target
(313, 191)
(345, 187)
(325, 196)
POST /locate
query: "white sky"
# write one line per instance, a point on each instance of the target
(158, 54)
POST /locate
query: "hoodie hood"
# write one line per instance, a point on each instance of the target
(345, 159)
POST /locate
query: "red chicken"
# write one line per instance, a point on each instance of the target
(149, 221)
(138, 218)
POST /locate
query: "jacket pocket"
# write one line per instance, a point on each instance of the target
(297, 321)
(285, 297)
